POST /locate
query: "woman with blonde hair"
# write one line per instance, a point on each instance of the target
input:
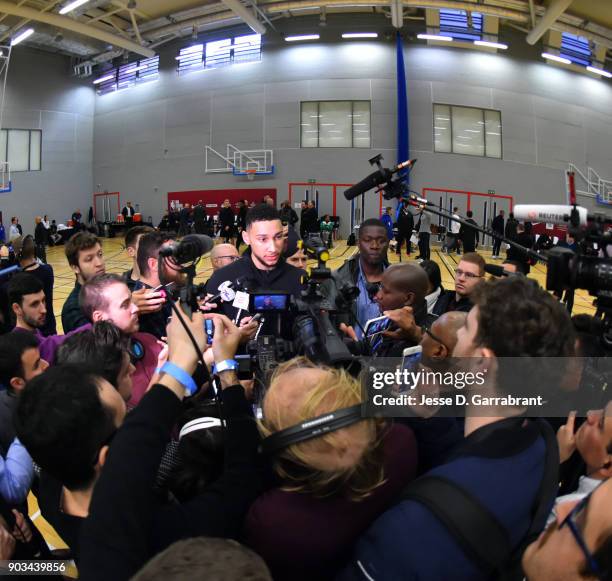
(330, 485)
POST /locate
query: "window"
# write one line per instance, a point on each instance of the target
(576, 48)
(21, 148)
(128, 75)
(220, 53)
(467, 130)
(461, 25)
(335, 124)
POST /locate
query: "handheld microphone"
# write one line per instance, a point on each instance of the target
(189, 249)
(555, 214)
(376, 178)
(226, 293)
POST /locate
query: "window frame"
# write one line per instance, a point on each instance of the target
(352, 130)
(6, 153)
(482, 110)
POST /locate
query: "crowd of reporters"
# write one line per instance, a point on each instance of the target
(147, 458)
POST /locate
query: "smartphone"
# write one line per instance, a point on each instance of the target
(411, 357)
(371, 325)
(255, 317)
(209, 326)
(161, 286)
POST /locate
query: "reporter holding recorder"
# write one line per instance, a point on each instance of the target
(126, 526)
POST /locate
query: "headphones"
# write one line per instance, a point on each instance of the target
(136, 350)
(310, 429)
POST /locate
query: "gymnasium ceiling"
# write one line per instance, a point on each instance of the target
(101, 30)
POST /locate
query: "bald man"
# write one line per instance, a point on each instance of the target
(439, 339)
(402, 292)
(222, 255)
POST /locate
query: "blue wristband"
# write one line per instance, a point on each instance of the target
(181, 376)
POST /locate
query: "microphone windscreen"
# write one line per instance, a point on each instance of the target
(204, 243)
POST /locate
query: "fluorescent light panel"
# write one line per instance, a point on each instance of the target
(70, 7)
(558, 59)
(499, 45)
(435, 37)
(22, 36)
(105, 78)
(599, 72)
(133, 70)
(302, 37)
(360, 35)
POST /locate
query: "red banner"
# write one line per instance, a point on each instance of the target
(213, 199)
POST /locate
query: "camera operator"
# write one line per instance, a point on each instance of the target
(501, 463)
(263, 268)
(365, 271)
(330, 487)
(153, 305)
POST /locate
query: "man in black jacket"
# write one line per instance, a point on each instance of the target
(199, 218)
(364, 271)
(405, 226)
(226, 221)
(261, 268)
(468, 275)
(497, 226)
(41, 237)
(468, 235)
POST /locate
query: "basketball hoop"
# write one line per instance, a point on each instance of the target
(250, 174)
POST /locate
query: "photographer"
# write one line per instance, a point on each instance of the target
(330, 487)
(263, 268)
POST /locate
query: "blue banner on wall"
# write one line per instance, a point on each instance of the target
(402, 107)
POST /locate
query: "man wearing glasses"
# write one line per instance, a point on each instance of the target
(468, 275)
(222, 255)
(578, 545)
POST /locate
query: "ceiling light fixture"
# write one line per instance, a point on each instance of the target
(558, 59)
(435, 37)
(360, 35)
(302, 37)
(599, 72)
(105, 78)
(498, 45)
(22, 36)
(70, 7)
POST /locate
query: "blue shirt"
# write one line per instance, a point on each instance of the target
(409, 543)
(16, 473)
(366, 308)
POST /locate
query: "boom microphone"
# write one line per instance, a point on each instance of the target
(496, 270)
(189, 249)
(554, 214)
(382, 176)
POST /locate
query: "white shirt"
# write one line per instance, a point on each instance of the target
(13, 232)
(586, 485)
(432, 299)
(45, 223)
(455, 226)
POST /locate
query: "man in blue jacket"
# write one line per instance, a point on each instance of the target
(501, 461)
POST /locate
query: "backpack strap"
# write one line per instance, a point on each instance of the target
(479, 534)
